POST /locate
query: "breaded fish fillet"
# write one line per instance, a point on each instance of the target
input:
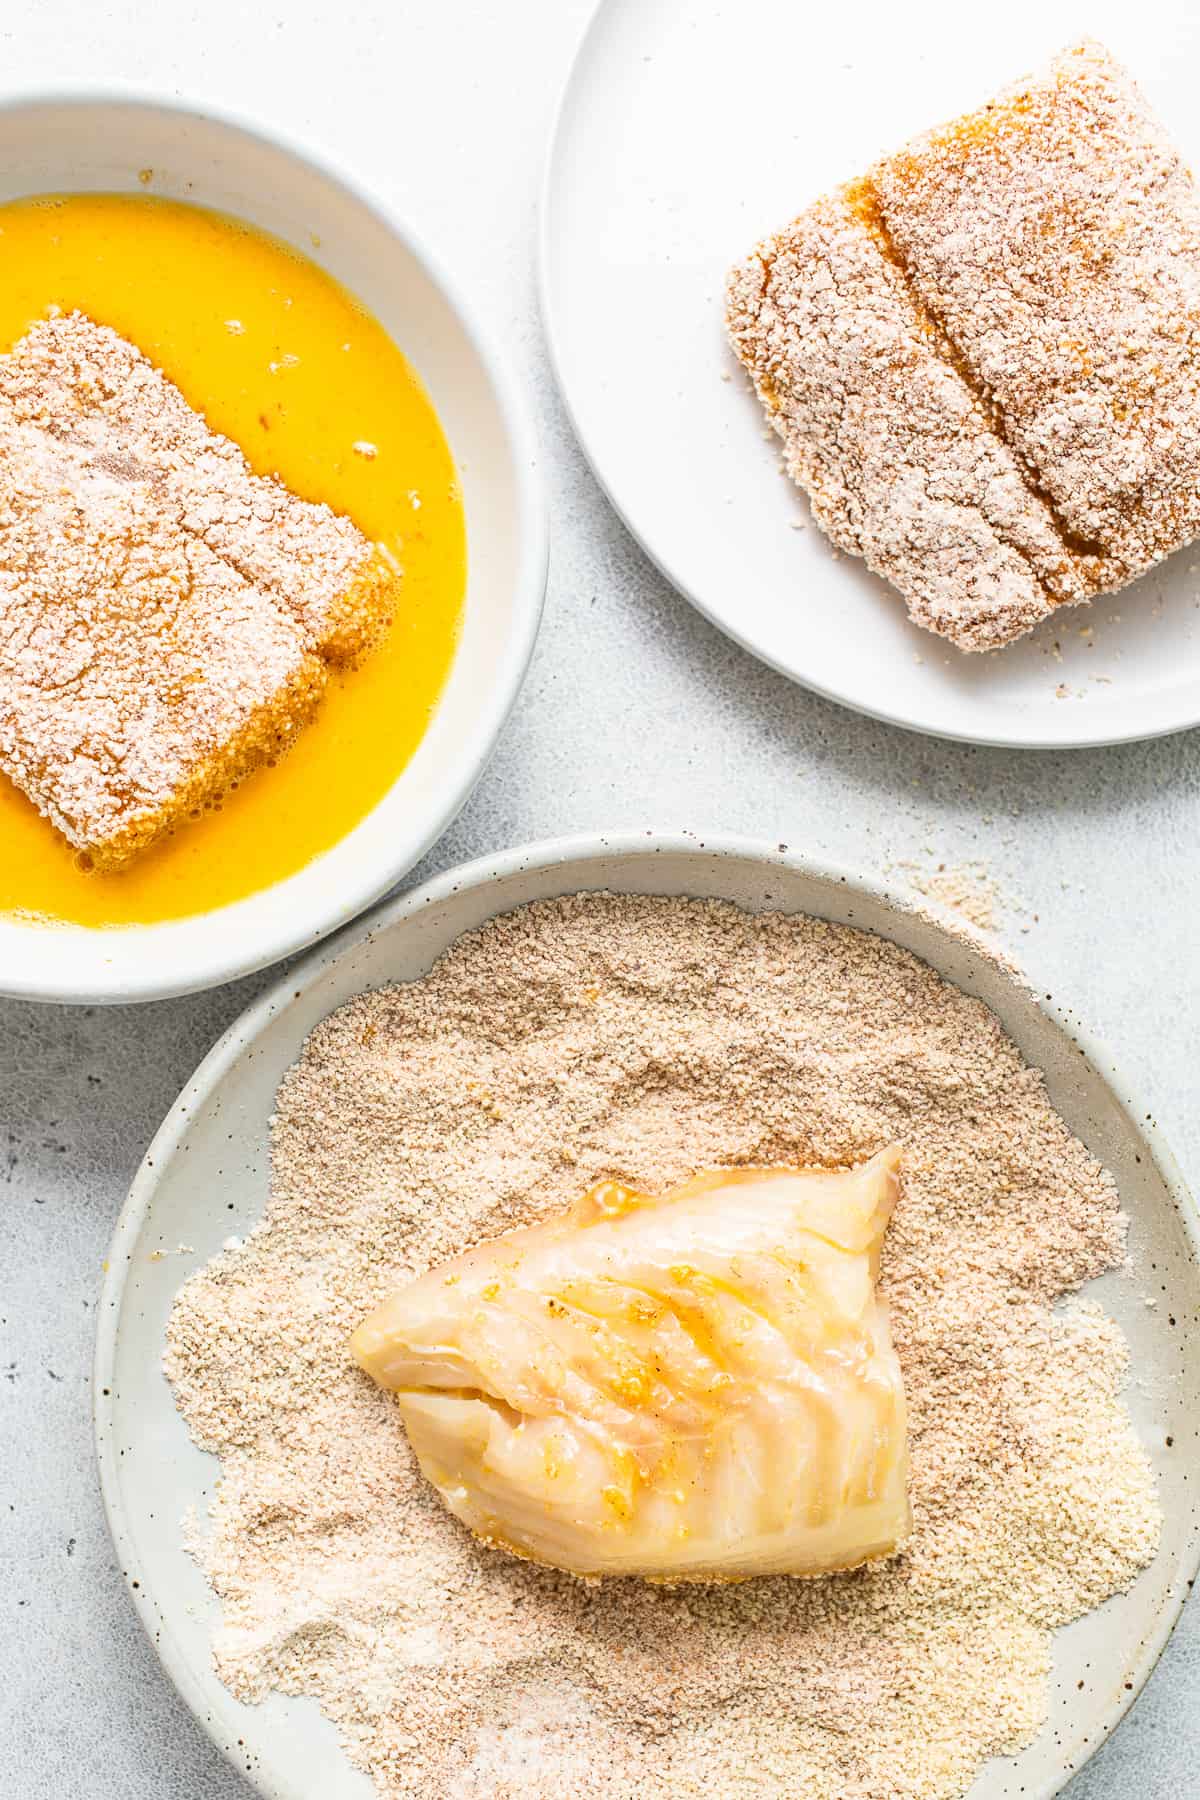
(694, 1386)
(168, 618)
(983, 356)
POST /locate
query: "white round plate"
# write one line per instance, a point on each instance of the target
(205, 1176)
(688, 130)
(86, 142)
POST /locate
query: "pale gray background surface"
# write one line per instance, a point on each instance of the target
(635, 712)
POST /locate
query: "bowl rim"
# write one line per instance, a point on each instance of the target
(285, 935)
(575, 853)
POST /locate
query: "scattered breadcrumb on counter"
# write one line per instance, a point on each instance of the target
(967, 890)
(639, 1039)
(968, 898)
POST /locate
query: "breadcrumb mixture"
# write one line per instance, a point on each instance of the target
(641, 1039)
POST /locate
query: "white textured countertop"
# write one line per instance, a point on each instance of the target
(636, 712)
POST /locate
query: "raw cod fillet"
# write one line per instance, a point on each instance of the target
(698, 1386)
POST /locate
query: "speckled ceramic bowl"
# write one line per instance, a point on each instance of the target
(215, 1141)
(82, 143)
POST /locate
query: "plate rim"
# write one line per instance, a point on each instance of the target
(574, 851)
(550, 316)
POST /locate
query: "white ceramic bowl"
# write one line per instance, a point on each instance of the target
(214, 1141)
(99, 144)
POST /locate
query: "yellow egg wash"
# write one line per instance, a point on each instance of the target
(284, 361)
